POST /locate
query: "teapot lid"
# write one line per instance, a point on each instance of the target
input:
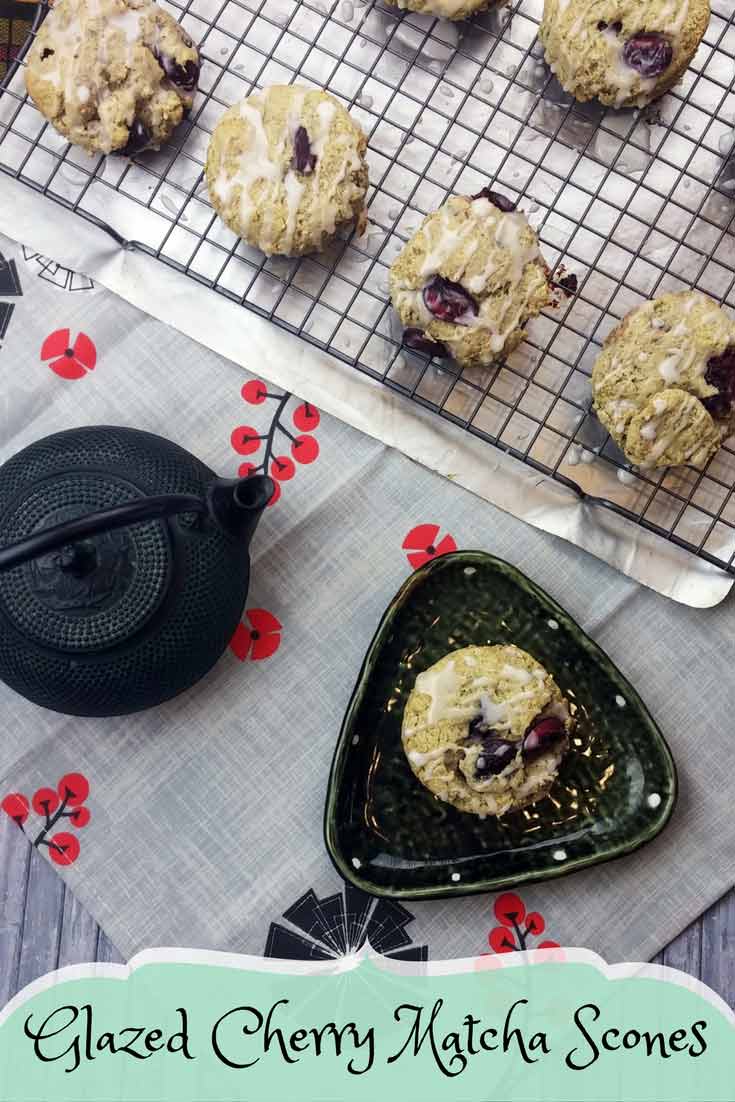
(93, 594)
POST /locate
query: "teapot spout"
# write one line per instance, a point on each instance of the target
(238, 503)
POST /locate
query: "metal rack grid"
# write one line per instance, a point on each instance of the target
(632, 203)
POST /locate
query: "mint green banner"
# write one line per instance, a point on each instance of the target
(180, 1026)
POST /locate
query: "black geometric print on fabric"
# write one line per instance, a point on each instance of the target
(341, 924)
(6, 312)
(385, 929)
(9, 279)
(309, 915)
(61, 277)
(333, 909)
(290, 946)
(357, 908)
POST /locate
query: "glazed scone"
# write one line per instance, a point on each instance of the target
(624, 53)
(664, 384)
(469, 279)
(286, 168)
(112, 75)
(486, 728)
(447, 9)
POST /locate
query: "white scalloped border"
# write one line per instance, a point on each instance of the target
(353, 961)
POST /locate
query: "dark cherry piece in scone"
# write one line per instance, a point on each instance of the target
(113, 76)
(486, 729)
(469, 279)
(624, 53)
(664, 383)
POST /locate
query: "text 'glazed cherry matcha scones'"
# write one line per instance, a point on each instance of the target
(114, 76)
(624, 53)
(448, 9)
(469, 279)
(664, 383)
(286, 168)
(486, 729)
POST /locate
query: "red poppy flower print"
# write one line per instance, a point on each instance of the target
(257, 637)
(266, 446)
(422, 544)
(516, 926)
(69, 361)
(51, 805)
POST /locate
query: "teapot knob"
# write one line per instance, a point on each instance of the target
(77, 559)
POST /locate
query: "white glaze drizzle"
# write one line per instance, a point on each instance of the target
(680, 363)
(668, 369)
(281, 179)
(573, 42)
(446, 8)
(420, 759)
(130, 24)
(514, 673)
(447, 238)
(442, 686)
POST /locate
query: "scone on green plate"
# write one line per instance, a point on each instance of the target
(286, 169)
(664, 384)
(624, 53)
(486, 728)
(113, 76)
(469, 279)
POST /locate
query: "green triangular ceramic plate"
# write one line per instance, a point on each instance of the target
(388, 835)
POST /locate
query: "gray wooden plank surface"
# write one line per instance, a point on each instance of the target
(42, 927)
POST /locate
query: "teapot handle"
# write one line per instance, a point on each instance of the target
(235, 504)
(105, 520)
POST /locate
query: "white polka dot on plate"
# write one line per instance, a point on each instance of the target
(356, 863)
(654, 800)
(553, 624)
(455, 877)
(559, 855)
(469, 570)
(620, 701)
(355, 740)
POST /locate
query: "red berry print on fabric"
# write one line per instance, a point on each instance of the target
(16, 806)
(245, 440)
(282, 468)
(67, 360)
(306, 417)
(255, 392)
(423, 544)
(64, 848)
(262, 444)
(516, 926)
(305, 449)
(501, 941)
(52, 805)
(80, 816)
(74, 788)
(46, 801)
(257, 637)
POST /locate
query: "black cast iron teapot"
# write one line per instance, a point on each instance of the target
(124, 568)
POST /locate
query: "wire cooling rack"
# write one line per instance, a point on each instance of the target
(632, 203)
